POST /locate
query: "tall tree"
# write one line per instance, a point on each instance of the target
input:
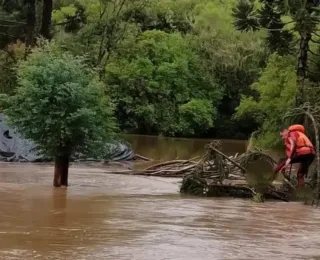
(61, 106)
(12, 22)
(12, 36)
(45, 30)
(31, 20)
(106, 24)
(234, 60)
(304, 17)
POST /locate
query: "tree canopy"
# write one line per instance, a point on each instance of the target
(277, 90)
(202, 68)
(159, 85)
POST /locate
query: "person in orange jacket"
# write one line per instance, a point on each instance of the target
(299, 149)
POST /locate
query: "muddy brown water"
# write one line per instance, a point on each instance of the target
(103, 216)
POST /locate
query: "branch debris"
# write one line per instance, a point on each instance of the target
(217, 174)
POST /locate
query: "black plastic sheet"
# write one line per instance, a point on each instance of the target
(15, 148)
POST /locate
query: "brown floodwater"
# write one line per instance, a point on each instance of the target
(106, 216)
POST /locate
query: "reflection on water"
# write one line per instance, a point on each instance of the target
(163, 148)
(103, 216)
(166, 149)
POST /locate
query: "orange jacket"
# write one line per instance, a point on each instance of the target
(302, 143)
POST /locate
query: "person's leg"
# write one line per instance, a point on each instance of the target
(300, 174)
(310, 160)
(305, 162)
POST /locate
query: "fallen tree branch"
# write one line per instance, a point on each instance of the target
(228, 158)
(170, 163)
(140, 157)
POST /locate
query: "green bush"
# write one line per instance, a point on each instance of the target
(277, 91)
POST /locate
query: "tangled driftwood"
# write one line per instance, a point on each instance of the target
(216, 174)
(216, 168)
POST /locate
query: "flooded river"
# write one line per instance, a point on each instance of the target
(102, 216)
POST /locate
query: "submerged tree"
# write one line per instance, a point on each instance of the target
(61, 106)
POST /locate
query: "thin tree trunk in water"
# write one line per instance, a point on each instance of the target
(318, 164)
(317, 148)
(45, 30)
(317, 155)
(61, 171)
(31, 24)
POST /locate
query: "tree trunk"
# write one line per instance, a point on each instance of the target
(61, 170)
(45, 30)
(31, 24)
(302, 67)
(317, 148)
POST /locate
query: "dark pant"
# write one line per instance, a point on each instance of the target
(305, 161)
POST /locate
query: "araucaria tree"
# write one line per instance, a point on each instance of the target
(302, 19)
(60, 105)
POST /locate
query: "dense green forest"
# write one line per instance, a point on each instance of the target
(192, 68)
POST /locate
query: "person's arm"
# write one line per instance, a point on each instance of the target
(292, 149)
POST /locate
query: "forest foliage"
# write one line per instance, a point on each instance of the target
(197, 68)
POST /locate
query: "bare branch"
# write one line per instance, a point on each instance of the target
(8, 35)
(316, 34)
(314, 41)
(313, 62)
(12, 22)
(318, 55)
(102, 10)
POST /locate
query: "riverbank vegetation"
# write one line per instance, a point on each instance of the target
(174, 68)
(192, 68)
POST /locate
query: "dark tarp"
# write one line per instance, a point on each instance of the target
(14, 148)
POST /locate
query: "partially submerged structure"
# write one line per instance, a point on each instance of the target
(15, 148)
(219, 175)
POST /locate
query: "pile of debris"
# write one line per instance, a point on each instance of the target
(217, 174)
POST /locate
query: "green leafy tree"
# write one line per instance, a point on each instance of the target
(233, 58)
(197, 115)
(61, 106)
(229, 58)
(12, 22)
(19, 22)
(8, 60)
(302, 19)
(158, 84)
(166, 15)
(188, 90)
(105, 25)
(277, 89)
(69, 17)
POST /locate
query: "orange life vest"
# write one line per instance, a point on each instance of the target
(302, 142)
